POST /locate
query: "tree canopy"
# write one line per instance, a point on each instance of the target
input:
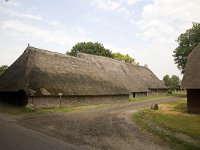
(167, 80)
(90, 48)
(171, 82)
(175, 82)
(125, 58)
(97, 48)
(3, 68)
(186, 43)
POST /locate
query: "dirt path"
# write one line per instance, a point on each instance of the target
(16, 137)
(101, 128)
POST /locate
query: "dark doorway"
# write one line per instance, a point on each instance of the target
(193, 100)
(133, 94)
(16, 98)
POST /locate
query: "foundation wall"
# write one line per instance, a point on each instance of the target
(49, 102)
(149, 93)
(157, 92)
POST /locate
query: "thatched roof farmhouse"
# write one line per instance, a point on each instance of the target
(191, 80)
(40, 76)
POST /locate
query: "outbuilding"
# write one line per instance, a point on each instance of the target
(191, 80)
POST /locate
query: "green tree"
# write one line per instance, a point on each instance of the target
(171, 82)
(98, 49)
(90, 48)
(186, 43)
(3, 68)
(175, 81)
(120, 56)
(167, 80)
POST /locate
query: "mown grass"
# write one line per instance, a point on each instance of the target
(144, 98)
(70, 108)
(179, 93)
(15, 110)
(168, 122)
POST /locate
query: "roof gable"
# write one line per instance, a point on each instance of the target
(191, 78)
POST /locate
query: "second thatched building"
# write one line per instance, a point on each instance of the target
(191, 80)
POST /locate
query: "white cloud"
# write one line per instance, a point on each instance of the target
(160, 24)
(79, 30)
(114, 5)
(94, 19)
(14, 13)
(168, 17)
(55, 23)
(58, 36)
(131, 2)
(26, 16)
(179, 9)
(107, 4)
(158, 30)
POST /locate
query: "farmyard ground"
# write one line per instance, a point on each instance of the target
(100, 128)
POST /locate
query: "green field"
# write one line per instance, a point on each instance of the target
(15, 110)
(172, 125)
(144, 98)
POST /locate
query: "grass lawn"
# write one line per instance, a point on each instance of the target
(15, 110)
(179, 93)
(172, 125)
(70, 108)
(143, 98)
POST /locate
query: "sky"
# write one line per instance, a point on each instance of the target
(147, 30)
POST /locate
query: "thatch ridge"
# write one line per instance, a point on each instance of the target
(48, 52)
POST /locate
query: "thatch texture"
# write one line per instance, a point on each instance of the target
(134, 78)
(40, 72)
(191, 78)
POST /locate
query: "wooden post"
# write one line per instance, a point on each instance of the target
(60, 94)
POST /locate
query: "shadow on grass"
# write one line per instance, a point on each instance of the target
(14, 110)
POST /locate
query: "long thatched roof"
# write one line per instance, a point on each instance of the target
(40, 72)
(134, 78)
(191, 78)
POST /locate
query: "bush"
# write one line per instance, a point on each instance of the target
(169, 91)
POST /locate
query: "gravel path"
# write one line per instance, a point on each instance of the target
(102, 128)
(16, 137)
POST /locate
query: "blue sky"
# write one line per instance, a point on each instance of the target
(144, 29)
